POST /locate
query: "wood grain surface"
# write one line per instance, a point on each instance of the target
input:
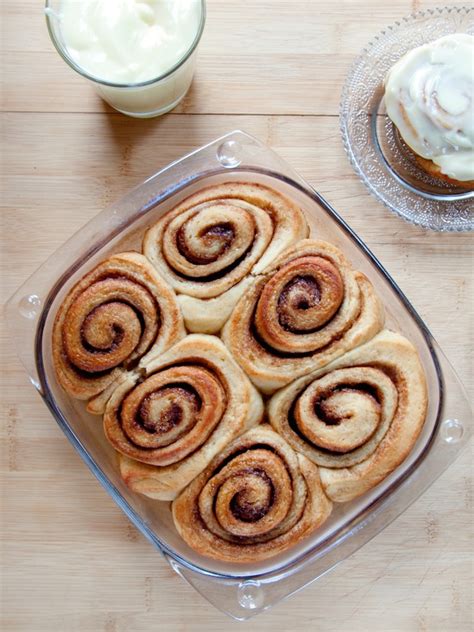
(70, 559)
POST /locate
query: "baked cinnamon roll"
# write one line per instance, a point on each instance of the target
(168, 425)
(304, 310)
(257, 498)
(209, 245)
(429, 96)
(357, 418)
(116, 315)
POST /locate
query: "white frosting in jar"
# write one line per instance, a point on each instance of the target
(429, 96)
(128, 41)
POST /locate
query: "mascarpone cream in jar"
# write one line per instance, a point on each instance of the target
(140, 54)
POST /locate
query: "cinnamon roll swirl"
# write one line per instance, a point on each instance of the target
(168, 425)
(357, 418)
(303, 311)
(120, 312)
(207, 246)
(256, 499)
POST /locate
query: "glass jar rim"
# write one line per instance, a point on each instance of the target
(63, 52)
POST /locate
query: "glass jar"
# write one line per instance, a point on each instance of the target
(144, 99)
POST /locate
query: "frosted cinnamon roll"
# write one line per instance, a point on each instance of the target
(256, 499)
(357, 418)
(429, 96)
(304, 310)
(168, 425)
(207, 246)
(120, 312)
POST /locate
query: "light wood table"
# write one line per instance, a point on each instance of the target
(71, 560)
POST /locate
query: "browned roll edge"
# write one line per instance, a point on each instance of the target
(435, 171)
(259, 516)
(193, 402)
(210, 243)
(129, 304)
(393, 361)
(354, 320)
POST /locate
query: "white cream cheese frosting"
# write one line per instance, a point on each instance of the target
(429, 96)
(128, 41)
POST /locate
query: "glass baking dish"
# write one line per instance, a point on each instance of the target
(241, 590)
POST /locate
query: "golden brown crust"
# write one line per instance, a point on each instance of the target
(193, 401)
(359, 417)
(116, 314)
(256, 499)
(208, 245)
(306, 309)
(435, 170)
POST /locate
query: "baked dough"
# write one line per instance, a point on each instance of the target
(208, 246)
(181, 410)
(304, 310)
(257, 498)
(120, 312)
(359, 417)
(168, 425)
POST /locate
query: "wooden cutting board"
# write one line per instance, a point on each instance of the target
(71, 561)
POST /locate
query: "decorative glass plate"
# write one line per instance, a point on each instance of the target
(384, 163)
